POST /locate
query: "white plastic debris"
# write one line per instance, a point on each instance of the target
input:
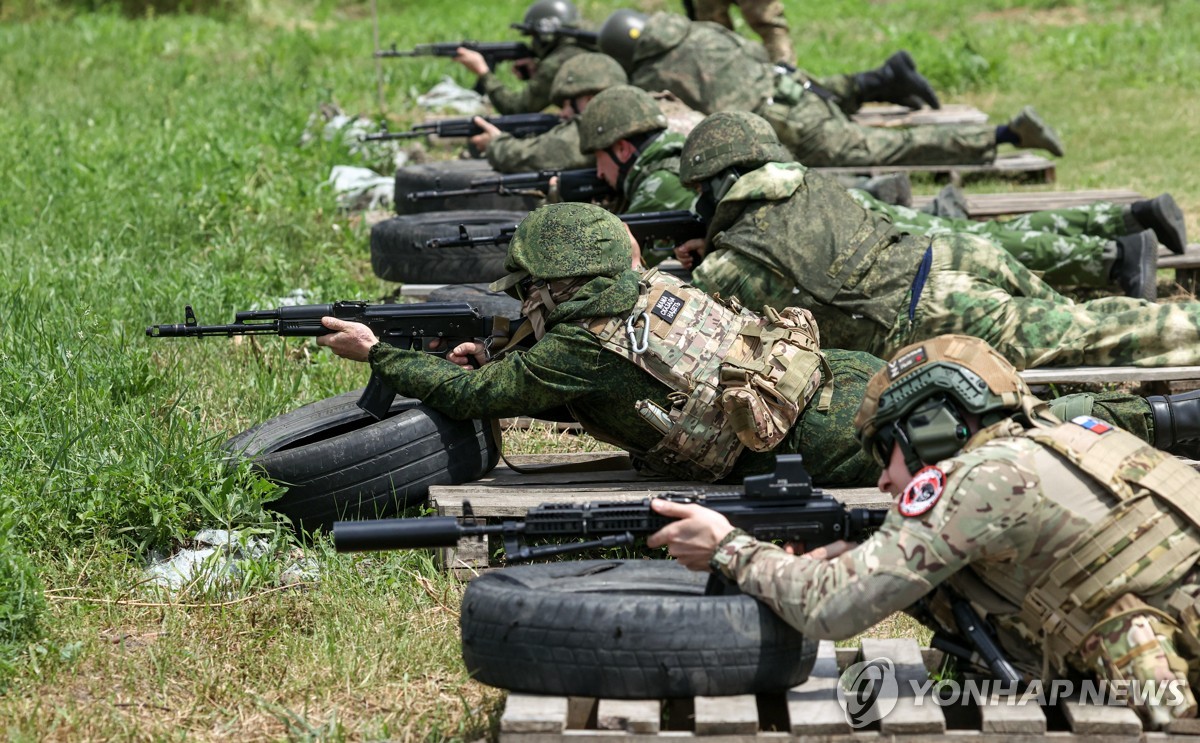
(450, 95)
(361, 188)
(215, 561)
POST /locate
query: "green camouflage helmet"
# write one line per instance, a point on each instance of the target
(618, 113)
(619, 35)
(586, 74)
(924, 386)
(567, 240)
(729, 139)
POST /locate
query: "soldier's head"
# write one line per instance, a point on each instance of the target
(560, 246)
(544, 19)
(617, 125)
(926, 403)
(721, 148)
(580, 78)
(619, 35)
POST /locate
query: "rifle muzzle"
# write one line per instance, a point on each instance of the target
(393, 534)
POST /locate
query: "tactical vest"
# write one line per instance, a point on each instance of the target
(1137, 549)
(738, 379)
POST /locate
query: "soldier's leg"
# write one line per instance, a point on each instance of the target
(1101, 219)
(716, 11)
(978, 289)
(819, 134)
(767, 19)
(1123, 410)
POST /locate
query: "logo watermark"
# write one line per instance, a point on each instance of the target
(868, 691)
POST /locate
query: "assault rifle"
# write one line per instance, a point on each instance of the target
(401, 325)
(781, 506)
(678, 226)
(573, 185)
(518, 125)
(492, 51)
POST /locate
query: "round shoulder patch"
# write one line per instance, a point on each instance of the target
(923, 492)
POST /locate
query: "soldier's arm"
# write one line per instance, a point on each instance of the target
(504, 99)
(557, 149)
(900, 563)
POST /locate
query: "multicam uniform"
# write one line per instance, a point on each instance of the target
(713, 69)
(996, 524)
(875, 289)
(557, 149)
(764, 16)
(534, 95)
(1067, 247)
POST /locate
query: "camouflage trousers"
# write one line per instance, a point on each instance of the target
(977, 289)
(764, 16)
(1067, 247)
(820, 134)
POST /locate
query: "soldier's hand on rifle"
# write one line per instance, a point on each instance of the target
(525, 68)
(472, 60)
(694, 537)
(350, 340)
(464, 353)
(687, 252)
(481, 141)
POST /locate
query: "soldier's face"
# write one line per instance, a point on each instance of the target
(895, 475)
(607, 169)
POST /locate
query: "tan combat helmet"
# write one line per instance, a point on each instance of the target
(918, 399)
(618, 113)
(586, 74)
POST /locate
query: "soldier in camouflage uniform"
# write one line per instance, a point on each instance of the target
(1077, 541)
(781, 235)
(571, 268)
(1076, 246)
(551, 50)
(713, 69)
(764, 16)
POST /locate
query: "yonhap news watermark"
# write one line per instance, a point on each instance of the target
(868, 691)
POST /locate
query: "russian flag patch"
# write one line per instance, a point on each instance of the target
(1091, 424)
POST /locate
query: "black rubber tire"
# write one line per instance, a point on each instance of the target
(339, 463)
(452, 174)
(398, 251)
(489, 303)
(624, 629)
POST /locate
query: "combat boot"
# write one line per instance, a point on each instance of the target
(1162, 215)
(1136, 267)
(950, 202)
(897, 81)
(1177, 423)
(1033, 133)
(893, 188)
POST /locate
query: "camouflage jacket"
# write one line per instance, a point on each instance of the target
(557, 149)
(652, 185)
(707, 66)
(849, 266)
(988, 522)
(534, 95)
(569, 366)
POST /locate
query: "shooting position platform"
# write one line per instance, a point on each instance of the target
(1020, 166)
(889, 115)
(811, 712)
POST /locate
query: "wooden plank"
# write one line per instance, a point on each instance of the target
(1184, 727)
(1099, 719)
(990, 205)
(630, 715)
(813, 707)
(1189, 259)
(897, 116)
(532, 713)
(736, 715)
(1018, 164)
(998, 716)
(906, 717)
(1103, 374)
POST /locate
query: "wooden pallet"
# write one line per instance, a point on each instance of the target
(811, 712)
(887, 115)
(1021, 166)
(991, 205)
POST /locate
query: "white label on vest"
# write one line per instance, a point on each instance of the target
(667, 307)
(914, 357)
(922, 493)
(1091, 424)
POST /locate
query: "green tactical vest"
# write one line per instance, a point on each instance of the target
(738, 379)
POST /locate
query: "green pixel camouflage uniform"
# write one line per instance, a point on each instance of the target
(534, 95)
(1010, 510)
(557, 149)
(764, 16)
(710, 68)
(786, 236)
(1067, 247)
(653, 185)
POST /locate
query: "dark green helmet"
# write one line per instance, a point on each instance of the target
(918, 398)
(586, 74)
(567, 240)
(547, 16)
(618, 113)
(619, 35)
(729, 139)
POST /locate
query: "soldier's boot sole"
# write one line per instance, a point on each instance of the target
(1164, 216)
(1137, 269)
(893, 188)
(1033, 133)
(1177, 423)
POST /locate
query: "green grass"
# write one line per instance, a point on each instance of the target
(153, 161)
